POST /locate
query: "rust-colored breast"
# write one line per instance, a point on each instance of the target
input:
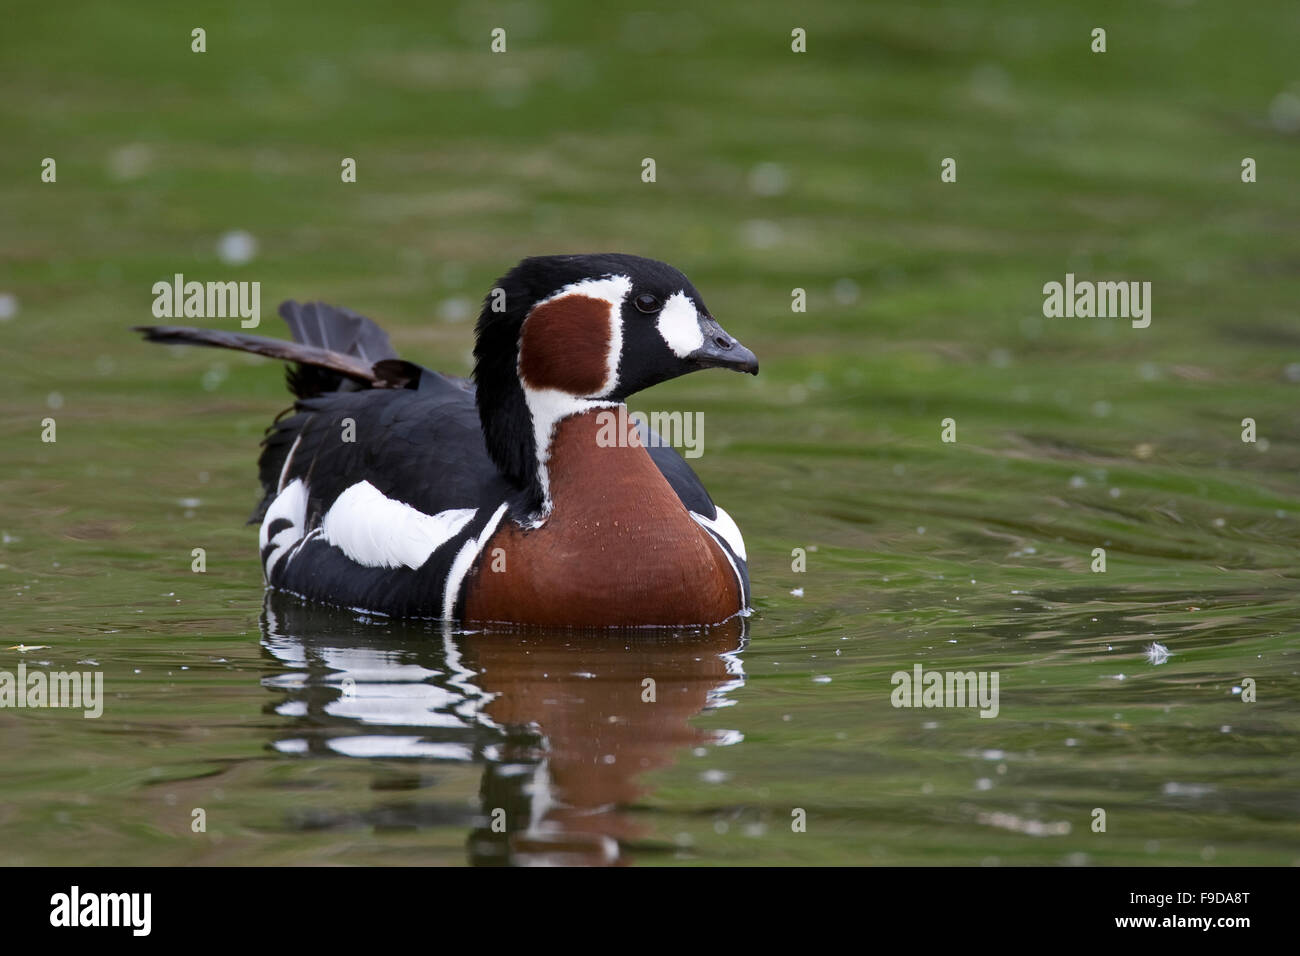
(619, 548)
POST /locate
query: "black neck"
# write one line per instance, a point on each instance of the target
(502, 410)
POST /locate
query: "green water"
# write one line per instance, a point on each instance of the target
(307, 736)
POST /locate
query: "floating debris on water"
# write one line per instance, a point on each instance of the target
(1009, 821)
(1157, 653)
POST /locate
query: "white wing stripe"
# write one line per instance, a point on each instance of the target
(464, 560)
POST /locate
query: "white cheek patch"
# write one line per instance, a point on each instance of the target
(378, 532)
(679, 325)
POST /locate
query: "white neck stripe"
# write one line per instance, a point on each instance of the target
(549, 406)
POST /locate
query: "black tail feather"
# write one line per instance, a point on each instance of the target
(342, 366)
(338, 330)
(334, 350)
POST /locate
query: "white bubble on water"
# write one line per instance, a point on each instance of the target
(455, 310)
(129, 162)
(214, 376)
(845, 291)
(768, 179)
(236, 247)
(761, 233)
(990, 85)
(1175, 789)
(1284, 112)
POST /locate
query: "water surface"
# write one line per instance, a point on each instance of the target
(313, 737)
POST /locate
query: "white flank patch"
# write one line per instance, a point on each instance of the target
(291, 504)
(679, 325)
(726, 529)
(378, 532)
(464, 559)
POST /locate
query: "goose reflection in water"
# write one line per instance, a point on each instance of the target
(565, 723)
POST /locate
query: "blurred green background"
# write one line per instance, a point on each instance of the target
(775, 170)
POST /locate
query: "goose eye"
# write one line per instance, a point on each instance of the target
(646, 302)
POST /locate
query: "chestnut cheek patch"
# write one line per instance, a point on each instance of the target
(565, 345)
